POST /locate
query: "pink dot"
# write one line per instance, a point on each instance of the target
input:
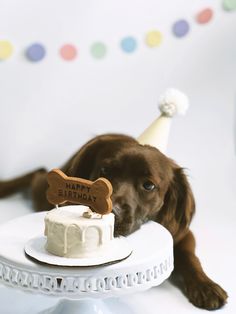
(204, 16)
(68, 52)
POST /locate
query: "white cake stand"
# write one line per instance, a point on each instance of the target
(84, 289)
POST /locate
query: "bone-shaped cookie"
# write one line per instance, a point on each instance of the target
(64, 189)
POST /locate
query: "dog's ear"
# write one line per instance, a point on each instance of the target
(179, 204)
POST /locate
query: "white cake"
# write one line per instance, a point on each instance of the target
(70, 234)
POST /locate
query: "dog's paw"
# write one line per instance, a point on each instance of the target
(206, 294)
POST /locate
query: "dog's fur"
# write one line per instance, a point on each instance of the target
(146, 186)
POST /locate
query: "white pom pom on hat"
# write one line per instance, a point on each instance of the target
(173, 101)
(170, 103)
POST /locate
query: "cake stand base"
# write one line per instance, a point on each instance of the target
(88, 306)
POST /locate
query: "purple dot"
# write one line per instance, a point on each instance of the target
(35, 52)
(180, 28)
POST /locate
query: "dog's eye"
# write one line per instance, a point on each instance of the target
(149, 186)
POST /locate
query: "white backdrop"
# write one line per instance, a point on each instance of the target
(50, 108)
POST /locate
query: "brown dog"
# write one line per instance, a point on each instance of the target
(146, 186)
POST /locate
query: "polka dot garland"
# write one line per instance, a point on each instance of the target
(180, 28)
(229, 5)
(204, 16)
(68, 52)
(98, 50)
(128, 44)
(36, 52)
(6, 49)
(153, 39)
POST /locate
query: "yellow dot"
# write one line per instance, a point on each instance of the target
(153, 39)
(6, 49)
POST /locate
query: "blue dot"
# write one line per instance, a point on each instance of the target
(128, 44)
(180, 28)
(35, 52)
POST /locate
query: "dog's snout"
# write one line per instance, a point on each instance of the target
(121, 205)
(123, 198)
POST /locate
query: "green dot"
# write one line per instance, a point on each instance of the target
(98, 50)
(229, 5)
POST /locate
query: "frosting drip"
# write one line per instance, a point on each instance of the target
(70, 234)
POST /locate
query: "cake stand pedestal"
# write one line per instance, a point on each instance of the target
(84, 289)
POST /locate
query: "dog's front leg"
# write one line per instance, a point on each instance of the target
(200, 290)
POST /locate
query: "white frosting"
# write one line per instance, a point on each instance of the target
(70, 234)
